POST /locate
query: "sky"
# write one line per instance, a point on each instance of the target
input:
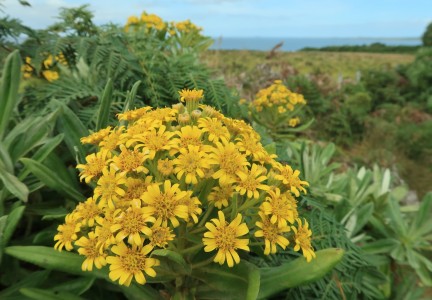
(253, 18)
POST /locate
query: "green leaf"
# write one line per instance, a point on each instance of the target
(77, 286)
(42, 153)
(51, 259)
(49, 177)
(221, 282)
(9, 85)
(5, 159)
(12, 221)
(130, 99)
(140, 292)
(297, 272)
(424, 212)
(173, 256)
(31, 280)
(43, 294)
(397, 222)
(363, 215)
(14, 185)
(73, 129)
(105, 106)
(380, 246)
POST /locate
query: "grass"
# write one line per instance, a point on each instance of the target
(232, 63)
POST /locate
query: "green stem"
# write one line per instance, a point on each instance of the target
(206, 215)
(191, 249)
(203, 263)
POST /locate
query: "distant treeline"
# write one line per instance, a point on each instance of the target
(374, 48)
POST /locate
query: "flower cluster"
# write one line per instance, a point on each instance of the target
(278, 100)
(182, 178)
(186, 26)
(150, 21)
(48, 67)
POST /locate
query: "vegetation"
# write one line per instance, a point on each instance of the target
(372, 48)
(273, 179)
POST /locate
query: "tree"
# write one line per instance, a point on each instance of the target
(427, 36)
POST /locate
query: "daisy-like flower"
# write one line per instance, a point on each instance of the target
(187, 136)
(228, 160)
(152, 141)
(302, 238)
(109, 187)
(113, 140)
(250, 181)
(165, 166)
(134, 114)
(193, 204)
(272, 234)
(191, 163)
(214, 128)
(95, 164)
(160, 235)
(67, 233)
(128, 161)
(165, 205)
(103, 230)
(225, 238)
(89, 248)
(280, 207)
(135, 187)
(132, 223)
(129, 263)
(291, 179)
(220, 195)
(191, 97)
(96, 137)
(88, 211)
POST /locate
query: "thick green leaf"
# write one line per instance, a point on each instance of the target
(43, 294)
(50, 178)
(363, 215)
(9, 85)
(32, 280)
(398, 224)
(130, 99)
(51, 259)
(14, 185)
(380, 246)
(5, 159)
(105, 106)
(140, 292)
(12, 221)
(73, 129)
(297, 272)
(174, 257)
(221, 282)
(424, 212)
(76, 286)
(42, 153)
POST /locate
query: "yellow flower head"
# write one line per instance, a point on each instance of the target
(224, 237)
(302, 238)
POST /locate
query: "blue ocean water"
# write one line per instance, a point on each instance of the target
(294, 44)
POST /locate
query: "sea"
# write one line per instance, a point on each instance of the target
(294, 44)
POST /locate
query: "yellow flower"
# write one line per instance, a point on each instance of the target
(109, 187)
(165, 166)
(291, 179)
(220, 195)
(113, 140)
(187, 136)
(225, 238)
(193, 205)
(191, 95)
(67, 233)
(50, 75)
(132, 115)
(191, 163)
(129, 161)
(250, 181)
(89, 248)
(94, 166)
(103, 230)
(131, 223)
(272, 234)
(129, 263)
(152, 141)
(88, 211)
(160, 235)
(280, 207)
(293, 122)
(135, 187)
(229, 161)
(214, 128)
(302, 238)
(96, 137)
(165, 205)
